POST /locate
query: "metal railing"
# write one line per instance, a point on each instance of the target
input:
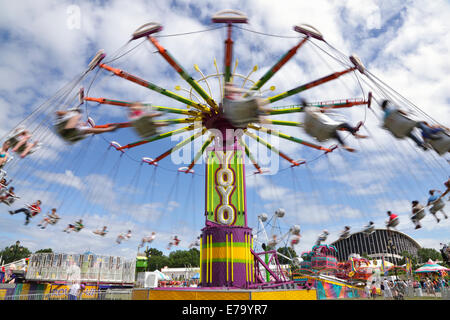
(109, 294)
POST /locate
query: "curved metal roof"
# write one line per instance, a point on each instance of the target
(394, 231)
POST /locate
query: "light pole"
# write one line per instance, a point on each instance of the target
(16, 248)
(392, 248)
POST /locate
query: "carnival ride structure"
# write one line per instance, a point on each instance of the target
(222, 118)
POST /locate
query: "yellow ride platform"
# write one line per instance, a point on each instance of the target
(222, 294)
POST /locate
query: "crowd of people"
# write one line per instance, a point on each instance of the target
(397, 289)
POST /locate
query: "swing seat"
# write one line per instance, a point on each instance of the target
(345, 235)
(53, 221)
(318, 125)
(393, 223)
(144, 126)
(437, 205)
(69, 135)
(419, 215)
(9, 201)
(369, 230)
(242, 112)
(32, 150)
(398, 124)
(12, 137)
(2, 174)
(441, 145)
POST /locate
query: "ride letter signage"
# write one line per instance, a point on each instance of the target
(225, 195)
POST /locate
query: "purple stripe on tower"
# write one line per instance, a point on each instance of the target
(237, 271)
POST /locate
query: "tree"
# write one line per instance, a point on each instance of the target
(288, 252)
(48, 250)
(157, 262)
(182, 258)
(14, 252)
(406, 254)
(426, 254)
(153, 252)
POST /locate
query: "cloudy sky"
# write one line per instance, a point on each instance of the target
(45, 45)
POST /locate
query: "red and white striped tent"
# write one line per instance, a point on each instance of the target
(431, 266)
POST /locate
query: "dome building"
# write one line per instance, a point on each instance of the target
(382, 242)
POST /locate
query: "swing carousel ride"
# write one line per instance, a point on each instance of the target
(232, 115)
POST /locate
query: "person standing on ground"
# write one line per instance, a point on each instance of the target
(74, 290)
(373, 290)
(387, 292)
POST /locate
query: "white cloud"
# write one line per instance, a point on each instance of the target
(406, 44)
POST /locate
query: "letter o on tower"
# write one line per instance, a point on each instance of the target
(228, 211)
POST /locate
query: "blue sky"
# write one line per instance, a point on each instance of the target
(41, 52)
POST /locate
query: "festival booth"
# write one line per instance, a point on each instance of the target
(355, 269)
(324, 258)
(432, 269)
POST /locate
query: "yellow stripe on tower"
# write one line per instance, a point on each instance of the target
(211, 257)
(207, 258)
(201, 261)
(226, 240)
(232, 263)
(245, 256)
(253, 265)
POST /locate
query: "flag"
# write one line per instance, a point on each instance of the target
(383, 269)
(353, 264)
(408, 266)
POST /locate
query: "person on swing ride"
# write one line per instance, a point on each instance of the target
(137, 111)
(77, 226)
(70, 127)
(389, 109)
(175, 241)
(122, 237)
(143, 121)
(51, 218)
(20, 141)
(369, 228)
(30, 211)
(4, 154)
(431, 131)
(322, 237)
(8, 196)
(328, 127)
(417, 210)
(437, 205)
(393, 219)
(241, 110)
(148, 239)
(196, 243)
(102, 232)
(345, 233)
(4, 184)
(447, 186)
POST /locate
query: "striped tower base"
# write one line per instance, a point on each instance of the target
(226, 260)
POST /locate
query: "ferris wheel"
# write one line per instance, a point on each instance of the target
(270, 235)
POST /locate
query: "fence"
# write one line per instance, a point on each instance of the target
(83, 267)
(110, 294)
(410, 292)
